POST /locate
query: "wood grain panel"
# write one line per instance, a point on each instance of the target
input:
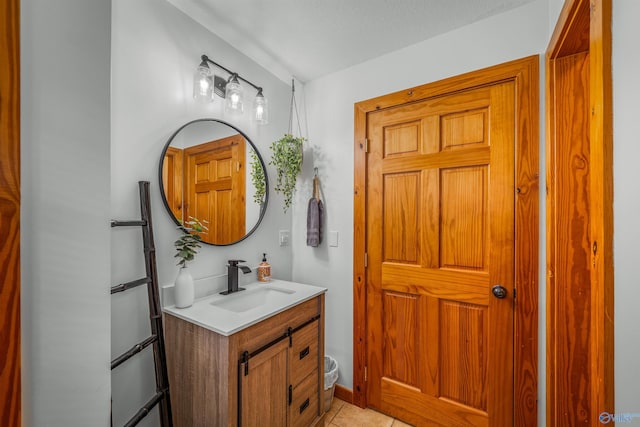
(401, 212)
(172, 180)
(400, 325)
(359, 249)
(571, 34)
(468, 286)
(187, 384)
(223, 168)
(203, 170)
(464, 353)
(10, 384)
(430, 219)
(571, 266)
(445, 159)
(525, 358)
(402, 139)
(464, 129)
(463, 237)
(601, 231)
(441, 411)
(579, 155)
(266, 376)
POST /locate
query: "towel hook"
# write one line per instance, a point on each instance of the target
(316, 185)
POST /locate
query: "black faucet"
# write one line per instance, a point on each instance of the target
(232, 276)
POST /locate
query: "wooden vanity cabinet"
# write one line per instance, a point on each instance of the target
(269, 374)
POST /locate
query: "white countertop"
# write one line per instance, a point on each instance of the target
(228, 314)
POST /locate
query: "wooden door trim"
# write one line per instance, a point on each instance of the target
(585, 26)
(10, 384)
(524, 73)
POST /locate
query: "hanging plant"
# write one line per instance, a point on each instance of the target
(286, 156)
(257, 178)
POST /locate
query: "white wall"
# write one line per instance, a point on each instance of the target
(65, 206)
(155, 49)
(626, 135)
(329, 101)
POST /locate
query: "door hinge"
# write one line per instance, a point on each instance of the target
(366, 260)
(514, 293)
(366, 145)
(290, 394)
(365, 374)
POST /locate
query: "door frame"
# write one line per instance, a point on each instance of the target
(10, 370)
(584, 26)
(525, 75)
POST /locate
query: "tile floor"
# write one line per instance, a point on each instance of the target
(343, 414)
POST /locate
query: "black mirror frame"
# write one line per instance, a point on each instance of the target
(263, 208)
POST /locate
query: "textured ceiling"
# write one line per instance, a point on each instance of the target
(311, 38)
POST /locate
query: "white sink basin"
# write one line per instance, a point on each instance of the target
(247, 300)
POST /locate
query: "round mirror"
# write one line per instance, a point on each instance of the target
(210, 170)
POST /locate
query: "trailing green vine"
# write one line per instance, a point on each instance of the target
(257, 178)
(286, 156)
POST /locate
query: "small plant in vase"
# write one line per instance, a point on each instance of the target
(287, 158)
(186, 248)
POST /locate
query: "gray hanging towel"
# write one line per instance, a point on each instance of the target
(315, 212)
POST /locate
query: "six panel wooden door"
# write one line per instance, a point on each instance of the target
(215, 188)
(440, 237)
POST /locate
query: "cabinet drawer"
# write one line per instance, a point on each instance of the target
(304, 403)
(304, 353)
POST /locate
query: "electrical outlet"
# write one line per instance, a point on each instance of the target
(284, 238)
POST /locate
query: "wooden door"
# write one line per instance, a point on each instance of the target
(263, 388)
(10, 385)
(440, 235)
(215, 188)
(172, 180)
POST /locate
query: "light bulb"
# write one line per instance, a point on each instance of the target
(203, 84)
(260, 110)
(234, 96)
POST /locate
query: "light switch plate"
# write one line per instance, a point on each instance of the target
(333, 238)
(284, 238)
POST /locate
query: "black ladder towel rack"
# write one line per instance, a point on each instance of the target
(155, 315)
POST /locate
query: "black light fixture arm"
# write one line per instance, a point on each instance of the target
(206, 59)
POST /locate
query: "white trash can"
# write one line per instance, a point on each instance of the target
(330, 378)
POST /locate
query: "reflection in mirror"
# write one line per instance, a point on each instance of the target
(210, 170)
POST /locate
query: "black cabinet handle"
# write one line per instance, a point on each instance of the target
(304, 353)
(304, 406)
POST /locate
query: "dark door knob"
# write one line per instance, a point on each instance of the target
(499, 291)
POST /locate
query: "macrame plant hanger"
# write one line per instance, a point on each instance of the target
(294, 107)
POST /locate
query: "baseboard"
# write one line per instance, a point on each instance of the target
(343, 393)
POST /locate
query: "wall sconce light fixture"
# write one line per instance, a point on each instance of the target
(205, 84)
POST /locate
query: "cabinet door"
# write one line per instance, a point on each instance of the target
(263, 382)
(304, 353)
(303, 376)
(304, 403)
